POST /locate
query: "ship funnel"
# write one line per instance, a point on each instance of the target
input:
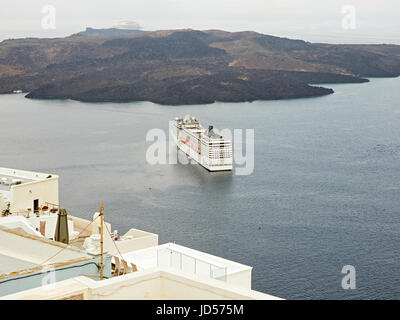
(210, 131)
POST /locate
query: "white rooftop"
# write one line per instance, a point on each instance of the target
(20, 251)
(154, 284)
(9, 264)
(6, 181)
(18, 222)
(174, 255)
(21, 175)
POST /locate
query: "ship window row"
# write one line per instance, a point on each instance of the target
(213, 145)
(209, 143)
(220, 152)
(221, 156)
(219, 149)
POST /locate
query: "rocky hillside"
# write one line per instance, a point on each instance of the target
(185, 66)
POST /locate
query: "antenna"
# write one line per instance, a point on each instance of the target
(101, 241)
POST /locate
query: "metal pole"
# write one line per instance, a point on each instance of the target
(101, 241)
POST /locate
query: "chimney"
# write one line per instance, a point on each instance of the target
(43, 228)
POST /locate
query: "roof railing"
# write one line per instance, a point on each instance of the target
(190, 264)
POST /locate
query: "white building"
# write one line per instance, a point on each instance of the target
(137, 267)
(27, 191)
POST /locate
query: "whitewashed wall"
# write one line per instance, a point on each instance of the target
(23, 195)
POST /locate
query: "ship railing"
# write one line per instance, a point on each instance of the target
(169, 257)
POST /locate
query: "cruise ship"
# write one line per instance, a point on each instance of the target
(207, 148)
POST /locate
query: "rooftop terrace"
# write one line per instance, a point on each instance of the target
(8, 175)
(190, 261)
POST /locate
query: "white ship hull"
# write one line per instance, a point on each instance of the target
(208, 154)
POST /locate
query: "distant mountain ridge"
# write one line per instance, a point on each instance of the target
(107, 32)
(185, 66)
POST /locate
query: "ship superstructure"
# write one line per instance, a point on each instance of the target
(210, 150)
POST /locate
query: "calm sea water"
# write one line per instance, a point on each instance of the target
(325, 191)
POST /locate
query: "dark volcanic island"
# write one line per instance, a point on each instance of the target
(185, 66)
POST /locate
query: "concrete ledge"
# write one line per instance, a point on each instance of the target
(152, 284)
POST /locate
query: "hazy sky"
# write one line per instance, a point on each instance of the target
(312, 20)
